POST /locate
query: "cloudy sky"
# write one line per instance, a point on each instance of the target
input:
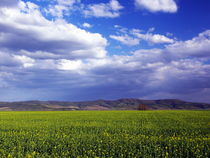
(104, 49)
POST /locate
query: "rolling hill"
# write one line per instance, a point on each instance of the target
(120, 104)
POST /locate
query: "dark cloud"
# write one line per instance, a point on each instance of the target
(7, 60)
(172, 80)
(8, 3)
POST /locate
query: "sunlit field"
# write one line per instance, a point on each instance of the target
(105, 134)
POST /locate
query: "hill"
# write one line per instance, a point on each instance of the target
(120, 104)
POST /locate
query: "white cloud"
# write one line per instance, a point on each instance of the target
(32, 33)
(125, 39)
(65, 62)
(134, 36)
(26, 61)
(67, 2)
(70, 65)
(109, 10)
(153, 38)
(197, 47)
(115, 5)
(121, 29)
(87, 25)
(57, 10)
(157, 5)
(63, 7)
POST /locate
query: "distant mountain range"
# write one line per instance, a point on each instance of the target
(120, 104)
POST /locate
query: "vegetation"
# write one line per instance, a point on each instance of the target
(120, 104)
(105, 134)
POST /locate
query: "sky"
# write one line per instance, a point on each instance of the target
(75, 50)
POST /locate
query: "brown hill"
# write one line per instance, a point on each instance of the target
(120, 104)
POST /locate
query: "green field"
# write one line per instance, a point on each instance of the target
(105, 134)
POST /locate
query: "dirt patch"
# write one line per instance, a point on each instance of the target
(5, 109)
(96, 107)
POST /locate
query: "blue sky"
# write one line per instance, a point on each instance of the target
(93, 49)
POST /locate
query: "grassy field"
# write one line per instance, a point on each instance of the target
(105, 134)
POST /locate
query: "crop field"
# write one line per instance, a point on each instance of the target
(113, 134)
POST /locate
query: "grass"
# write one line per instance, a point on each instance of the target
(105, 134)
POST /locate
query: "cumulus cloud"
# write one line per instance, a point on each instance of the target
(62, 7)
(87, 25)
(26, 61)
(144, 74)
(134, 36)
(152, 38)
(32, 32)
(108, 10)
(197, 47)
(169, 6)
(57, 60)
(125, 39)
(67, 2)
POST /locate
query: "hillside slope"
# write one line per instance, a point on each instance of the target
(120, 104)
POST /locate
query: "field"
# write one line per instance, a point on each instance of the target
(105, 134)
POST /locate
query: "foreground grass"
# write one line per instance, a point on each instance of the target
(105, 134)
